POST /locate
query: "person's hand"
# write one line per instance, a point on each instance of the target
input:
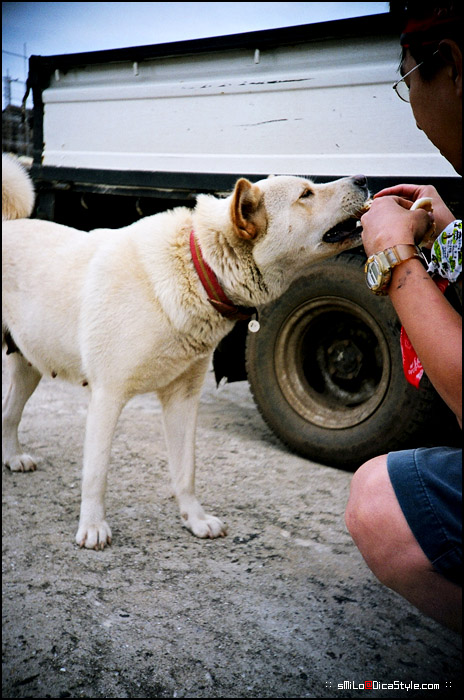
(441, 214)
(390, 222)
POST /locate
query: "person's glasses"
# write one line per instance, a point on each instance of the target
(401, 88)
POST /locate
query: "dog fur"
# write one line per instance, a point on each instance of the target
(123, 311)
(17, 190)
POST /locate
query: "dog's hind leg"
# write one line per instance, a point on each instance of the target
(104, 410)
(23, 381)
(180, 406)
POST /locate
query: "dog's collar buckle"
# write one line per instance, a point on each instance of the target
(216, 295)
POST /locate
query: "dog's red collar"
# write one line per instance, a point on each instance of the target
(216, 295)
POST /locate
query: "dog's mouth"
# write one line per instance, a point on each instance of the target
(349, 229)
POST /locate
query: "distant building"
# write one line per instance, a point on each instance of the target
(17, 131)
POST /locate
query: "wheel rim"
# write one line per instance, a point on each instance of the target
(332, 362)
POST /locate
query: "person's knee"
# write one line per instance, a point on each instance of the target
(368, 514)
(379, 529)
(362, 508)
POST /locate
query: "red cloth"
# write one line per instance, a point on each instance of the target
(412, 366)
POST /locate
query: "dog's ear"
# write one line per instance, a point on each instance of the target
(247, 210)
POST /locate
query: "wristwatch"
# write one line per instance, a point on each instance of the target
(378, 267)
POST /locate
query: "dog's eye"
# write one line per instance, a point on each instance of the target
(306, 194)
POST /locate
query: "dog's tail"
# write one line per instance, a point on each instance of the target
(17, 190)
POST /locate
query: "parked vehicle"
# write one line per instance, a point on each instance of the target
(126, 133)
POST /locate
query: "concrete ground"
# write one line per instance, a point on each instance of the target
(284, 606)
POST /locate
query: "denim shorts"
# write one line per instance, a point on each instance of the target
(428, 485)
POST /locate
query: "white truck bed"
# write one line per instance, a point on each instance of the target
(316, 106)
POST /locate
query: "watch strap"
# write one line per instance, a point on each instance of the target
(400, 253)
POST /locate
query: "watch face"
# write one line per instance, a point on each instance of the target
(373, 273)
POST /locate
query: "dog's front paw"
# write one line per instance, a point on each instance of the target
(94, 535)
(205, 526)
(21, 463)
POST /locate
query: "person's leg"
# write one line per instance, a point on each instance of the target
(379, 529)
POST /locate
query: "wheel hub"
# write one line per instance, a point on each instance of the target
(344, 359)
(341, 380)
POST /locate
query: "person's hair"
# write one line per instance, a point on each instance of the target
(422, 25)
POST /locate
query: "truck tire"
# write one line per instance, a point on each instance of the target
(325, 369)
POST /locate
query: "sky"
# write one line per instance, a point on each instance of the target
(48, 28)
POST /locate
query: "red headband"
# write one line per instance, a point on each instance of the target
(427, 28)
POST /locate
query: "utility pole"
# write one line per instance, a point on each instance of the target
(7, 79)
(7, 87)
(15, 123)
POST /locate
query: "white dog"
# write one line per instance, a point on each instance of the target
(140, 309)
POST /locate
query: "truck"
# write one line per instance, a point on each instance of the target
(125, 133)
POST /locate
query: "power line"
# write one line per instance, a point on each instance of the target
(10, 53)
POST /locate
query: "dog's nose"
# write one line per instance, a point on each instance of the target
(360, 181)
